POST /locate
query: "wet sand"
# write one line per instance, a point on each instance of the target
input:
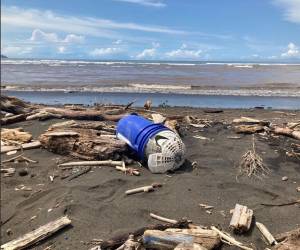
(98, 207)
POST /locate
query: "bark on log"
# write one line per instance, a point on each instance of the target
(289, 240)
(288, 132)
(87, 143)
(29, 145)
(13, 119)
(170, 238)
(241, 219)
(15, 134)
(42, 116)
(186, 246)
(86, 115)
(118, 240)
(248, 129)
(37, 235)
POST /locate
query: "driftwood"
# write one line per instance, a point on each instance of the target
(14, 105)
(13, 119)
(158, 118)
(15, 134)
(79, 173)
(288, 132)
(241, 218)
(225, 237)
(29, 145)
(94, 115)
(170, 238)
(265, 232)
(118, 240)
(250, 121)
(42, 115)
(144, 189)
(130, 244)
(187, 246)
(84, 143)
(8, 171)
(92, 163)
(37, 234)
(163, 219)
(248, 129)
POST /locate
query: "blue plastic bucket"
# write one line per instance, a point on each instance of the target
(136, 132)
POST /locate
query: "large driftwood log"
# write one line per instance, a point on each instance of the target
(13, 119)
(170, 238)
(14, 105)
(118, 240)
(288, 241)
(15, 134)
(250, 121)
(187, 246)
(94, 115)
(241, 218)
(37, 235)
(42, 115)
(248, 129)
(288, 132)
(84, 143)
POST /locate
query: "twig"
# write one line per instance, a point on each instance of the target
(92, 163)
(281, 204)
(12, 159)
(160, 218)
(230, 240)
(79, 173)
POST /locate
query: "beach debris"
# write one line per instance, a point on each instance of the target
(201, 137)
(189, 246)
(164, 219)
(29, 145)
(250, 121)
(119, 165)
(14, 105)
(79, 173)
(284, 178)
(42, 116)
(11, 152)
(266, 233)
(234, 137)
(252, 164)
(37, 235)
(148, 104)
(298, 189)
(13, 119)
(130, 244)
(171, 237)
(19, 158)
(213, 111)
(281, 204)
(172, 125)
(158, 118)
(145, 189)
(205, 206)
(287, 132)
(288, 241)
(241, 219)
(120, 239)
(248, 129)
(226, 238)
(15, 134)
(8, 172)
(83, 143)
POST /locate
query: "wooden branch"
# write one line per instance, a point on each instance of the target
(145, 189)
(288, 132)
(42, 115)
(265, 232)
(29, 145)
(37, 234)
(92, 163)
(230, 240)
(13, 119)
(157, 217)
(250, 121)
(118, 240)
(241, 218)
(170, 238)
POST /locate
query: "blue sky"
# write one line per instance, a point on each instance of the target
(152, 29)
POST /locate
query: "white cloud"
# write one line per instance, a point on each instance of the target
(119, 41)
(14, 17)
(150, 3)
(147, 54)
(102, 52)
(61, 49)
(71, 38)
(291, 9)
(184, 53)
(292, 51)
(38, 35)
(41, 36)
(15, 50)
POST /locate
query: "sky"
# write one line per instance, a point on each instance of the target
(255, 30)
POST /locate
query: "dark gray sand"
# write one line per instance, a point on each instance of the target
(98, 207)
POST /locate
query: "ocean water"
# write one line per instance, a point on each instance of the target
(197, 84)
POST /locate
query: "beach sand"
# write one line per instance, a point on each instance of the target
(98, 207)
